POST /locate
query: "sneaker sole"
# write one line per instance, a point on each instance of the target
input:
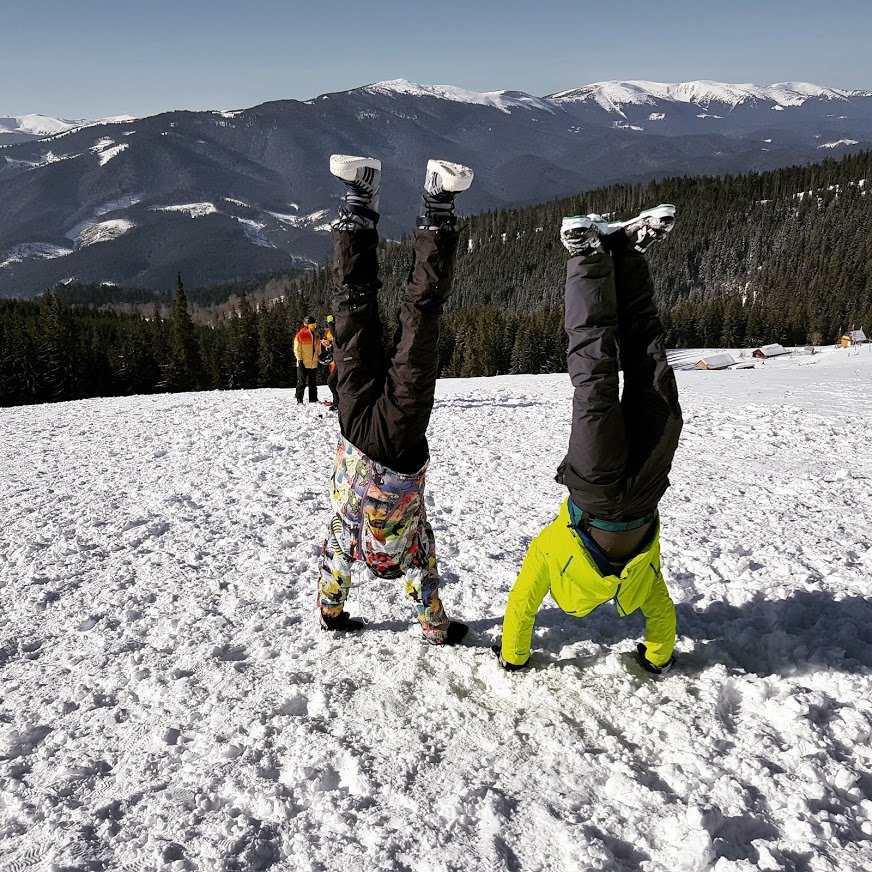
(453, 178)
(347, 166)
(664, 210)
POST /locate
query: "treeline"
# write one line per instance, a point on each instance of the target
(783, 256)
(51, 351)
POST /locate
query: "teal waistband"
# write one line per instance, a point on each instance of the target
(577, 515)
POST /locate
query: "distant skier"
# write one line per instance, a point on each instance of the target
(325, 359)
(307, 347)
(385, 406)
(605, 542)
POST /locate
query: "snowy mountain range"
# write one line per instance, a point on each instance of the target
(226, 194)
(26, 128)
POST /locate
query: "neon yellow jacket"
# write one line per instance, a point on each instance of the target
(558, 561)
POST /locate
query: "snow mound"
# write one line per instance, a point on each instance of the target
(838, 143)
(169, 701)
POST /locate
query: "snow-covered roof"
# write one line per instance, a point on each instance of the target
(773, 350)
(716, 361)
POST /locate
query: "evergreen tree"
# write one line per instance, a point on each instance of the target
(184, 368)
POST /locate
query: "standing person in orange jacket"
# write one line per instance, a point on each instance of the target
(307, 347)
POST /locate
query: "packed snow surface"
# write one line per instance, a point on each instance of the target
(169, 702)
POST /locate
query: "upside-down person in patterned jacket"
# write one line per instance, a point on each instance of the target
(385, 406)
(605, 542)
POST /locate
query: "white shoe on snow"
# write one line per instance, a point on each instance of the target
(362, 178)
(649, 226)
(443, 178)
(581, 234)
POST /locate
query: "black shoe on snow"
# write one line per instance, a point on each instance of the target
(342, 622)
(455, 634)
(648, 666)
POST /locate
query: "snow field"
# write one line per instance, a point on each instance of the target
(169, 703)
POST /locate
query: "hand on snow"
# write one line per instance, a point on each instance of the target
(509, 667)
(648, 666)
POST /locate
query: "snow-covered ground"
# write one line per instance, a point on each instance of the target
(168, 702)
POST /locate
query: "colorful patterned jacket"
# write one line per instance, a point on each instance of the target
(380, 520)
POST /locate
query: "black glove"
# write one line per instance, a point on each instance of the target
(648, 666)
(509, 667)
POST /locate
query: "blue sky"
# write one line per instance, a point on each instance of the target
(94, 58)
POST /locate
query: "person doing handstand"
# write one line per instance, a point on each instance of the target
(605, 542)
(384, 406)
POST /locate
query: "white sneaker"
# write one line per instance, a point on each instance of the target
(362, 178)
(441, 182)
(580, 234)
(649, 226)
(444, 177)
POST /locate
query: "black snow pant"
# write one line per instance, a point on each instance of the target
(385, 406)
(306, 376)
(620, 447)
(332, 381)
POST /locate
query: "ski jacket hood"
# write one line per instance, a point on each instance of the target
(557, 561)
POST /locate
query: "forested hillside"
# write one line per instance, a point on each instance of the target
(780, 256)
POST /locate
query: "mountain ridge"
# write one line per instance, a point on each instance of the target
(226, 194)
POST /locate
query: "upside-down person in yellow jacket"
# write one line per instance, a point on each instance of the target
(605, 542)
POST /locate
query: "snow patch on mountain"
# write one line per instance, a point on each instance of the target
(33, 251)
(195, 210)
(301, 220)
(117, 205)
(91, 232)
(254, 232)
(106, 149)
(838, 143)
(505, 101)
